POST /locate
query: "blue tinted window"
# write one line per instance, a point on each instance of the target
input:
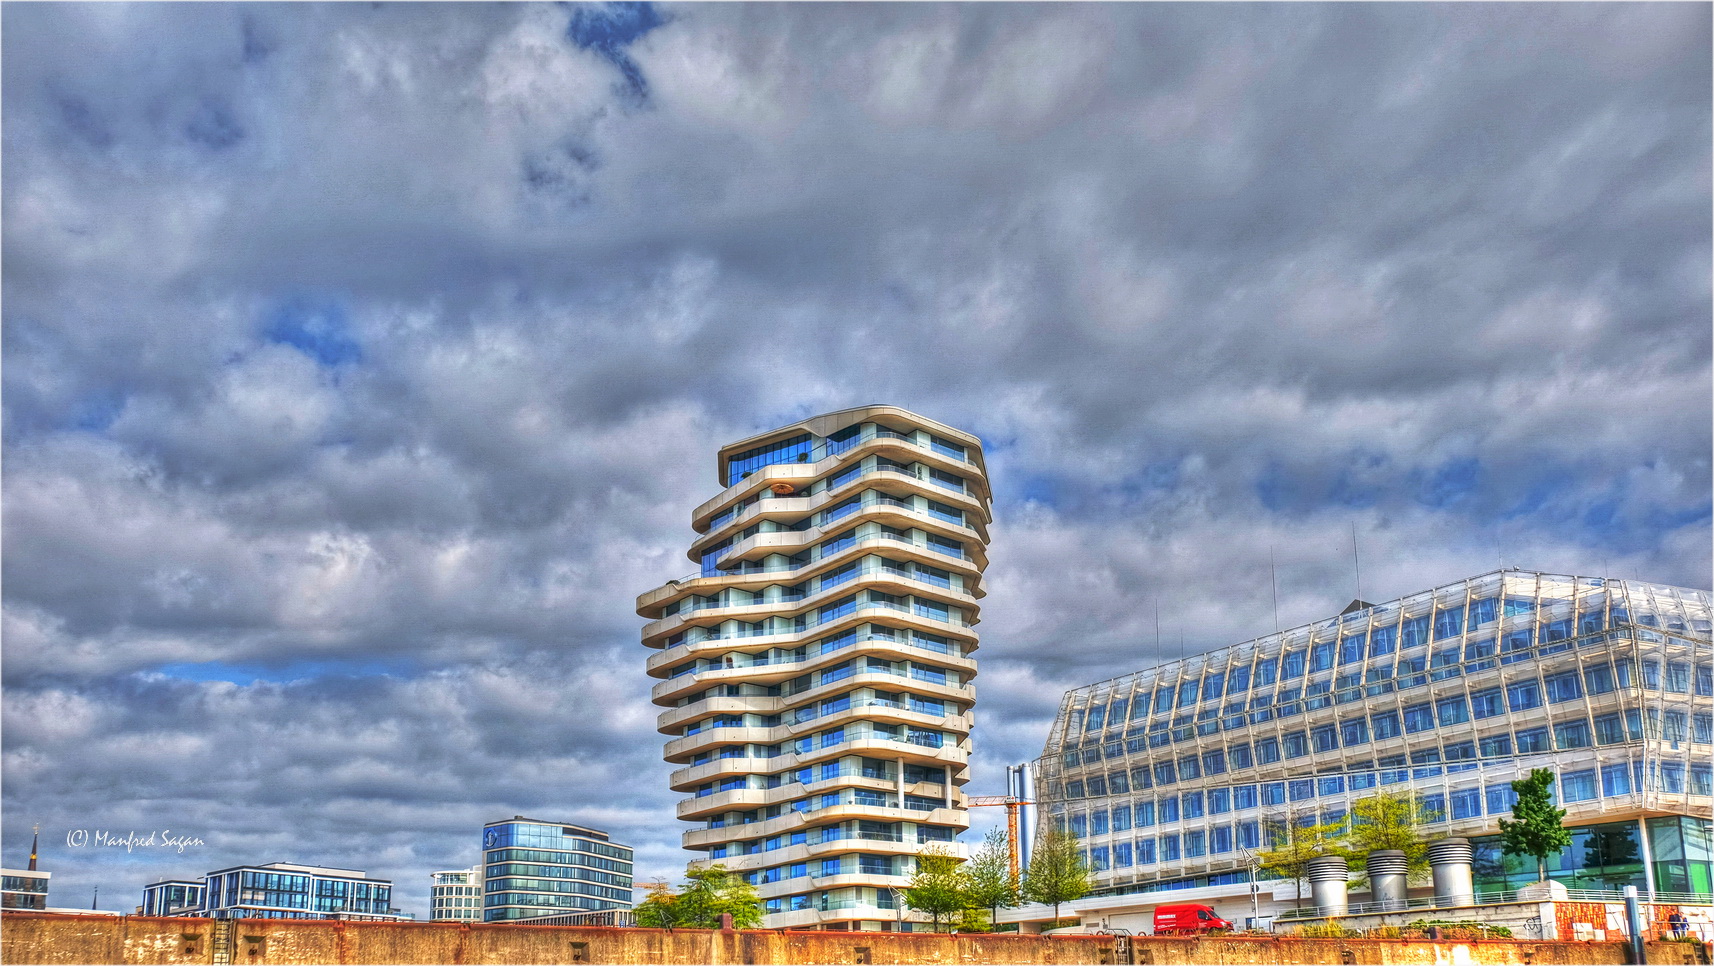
(1294, 665)
(1562, 687)
(1321, 656)
(1187, 692)
(1483, 611)
(1414, 632)
(1383, 640)
(1532, 740)
(793, 450)
(1351, 649)
(1386, 724)
(1266, 672)
(1418, 717)
(1577, 786)
(1515, 645)
(1486, 703)
(1448, 623)
(1523, 695)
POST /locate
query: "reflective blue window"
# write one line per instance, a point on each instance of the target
(1484, 610)
(1351, 649)
(1386, 724)
(1383, 640)
(1321, 656)
(1240, 679)
(1448, 623)
(1577, 786)
(793, 450)
(1414, 632)
(1418, 717)
(1532, 740)
(1523, 695)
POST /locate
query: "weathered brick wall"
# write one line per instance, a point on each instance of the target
(29, 937)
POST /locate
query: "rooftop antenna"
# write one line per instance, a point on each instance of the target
(1274, 578)
(1157, 627)
(1356, 566)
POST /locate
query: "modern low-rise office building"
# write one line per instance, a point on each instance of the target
(1172, 776)
(173, 897)
(24, 889)
(534, 868)
(456, 895)
(816, 669)
(281, 890)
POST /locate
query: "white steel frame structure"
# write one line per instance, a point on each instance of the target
(1451, 693)
(816, 671)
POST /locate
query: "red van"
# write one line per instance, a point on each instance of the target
(1187, 919)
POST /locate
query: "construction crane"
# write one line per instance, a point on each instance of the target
(1011, 802)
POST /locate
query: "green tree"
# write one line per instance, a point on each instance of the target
(937, 885)
(659, 909)
(988, 880)
(1057, 872)
(708, 894)
(1295, 842)
(1536, 828)
(1389, 820)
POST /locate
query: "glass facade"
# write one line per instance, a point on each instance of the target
(173, 898)
(815, 672)
(23, 889)
(1450, 694)
(534, 868)
(284, 891)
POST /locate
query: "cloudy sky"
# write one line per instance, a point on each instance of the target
(362, 363)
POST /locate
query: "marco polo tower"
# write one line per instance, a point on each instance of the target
(816, 669)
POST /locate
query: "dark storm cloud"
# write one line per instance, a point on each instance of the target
(362, 363)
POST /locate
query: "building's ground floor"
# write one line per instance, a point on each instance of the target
(1603, 858)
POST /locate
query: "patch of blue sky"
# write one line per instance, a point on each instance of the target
(1449, 483)
(1037, 489)
(96, 411)
(319, 329)
(1663, 518)
(214, 127)
(250, 673)
(608, 28)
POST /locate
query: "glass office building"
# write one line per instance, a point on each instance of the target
(536, 868)
(816, 669)
(1172, 774)
(24, 888)
(173, 897)
(281, 890)
(456, 895)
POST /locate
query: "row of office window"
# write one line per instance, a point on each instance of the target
(1520, 695)
(1680, 677)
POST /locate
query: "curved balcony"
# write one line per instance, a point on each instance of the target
(751, 654)
(894, 446)
(889, 580)
(803, 717)
(966, 565)
(883, 481)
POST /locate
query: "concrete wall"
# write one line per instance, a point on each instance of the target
(44, 938)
